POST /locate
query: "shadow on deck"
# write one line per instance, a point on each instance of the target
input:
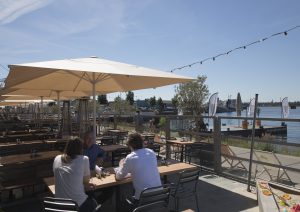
(215, 194)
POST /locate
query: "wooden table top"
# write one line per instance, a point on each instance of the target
(112, 148)
(147, 134)
(29, 134)
(178, 142)
(11, 144)
(104, 137)
(23, 158)
(118, 131)
(111, 179)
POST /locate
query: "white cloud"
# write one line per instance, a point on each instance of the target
(11, 10)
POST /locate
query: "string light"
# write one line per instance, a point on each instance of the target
(240, 47)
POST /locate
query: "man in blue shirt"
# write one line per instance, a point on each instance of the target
(92, 150)
(96, 156)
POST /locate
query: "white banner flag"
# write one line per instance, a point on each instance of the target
(213, 103)
(285, 107)
(251, 107)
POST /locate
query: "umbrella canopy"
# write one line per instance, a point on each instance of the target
(30, 94)
(22, 98)
(80, 74)
(88, 74)
(5, 103)
(11, 93)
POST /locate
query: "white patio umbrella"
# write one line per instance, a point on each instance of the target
(50, 94)
(88, 74)
(12, 103)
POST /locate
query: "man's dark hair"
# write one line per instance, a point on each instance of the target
(73, 148)
(87, 134)
(135, 141)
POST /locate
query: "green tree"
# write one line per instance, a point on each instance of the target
(152, 101)
(191, 97)
(102, 99)
(175, 101)
(130, 97)
(147, 102)
(121, 106)
(160, 104)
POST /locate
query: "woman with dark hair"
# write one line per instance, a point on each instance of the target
(72, 173)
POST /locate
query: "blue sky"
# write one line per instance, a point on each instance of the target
(164, 34)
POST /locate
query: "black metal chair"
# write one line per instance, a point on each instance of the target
(186, 186)
(156, 149)
(193, 152)
(51, 204)
(152, 199)
(122, 137)
(59, 204)
(107, 140)
(118, 154)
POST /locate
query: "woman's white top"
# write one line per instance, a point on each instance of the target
(69, 178)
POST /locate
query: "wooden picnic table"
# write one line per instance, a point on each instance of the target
(181, 144)
(112, 148)
(117, 131)
(105, 140)
(118, 134)
(111, 179)
(22, 147)
(27, 143)
(26, 158)
(27, 137)
(146, 136)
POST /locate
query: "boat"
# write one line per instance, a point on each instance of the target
(293, 107)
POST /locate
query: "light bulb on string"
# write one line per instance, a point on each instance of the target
(241, 47)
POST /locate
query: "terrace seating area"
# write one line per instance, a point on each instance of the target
(33, 159)
(211, 189)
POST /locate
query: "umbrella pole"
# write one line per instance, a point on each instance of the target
(42, 111)
(58, 112)
(252, 142)
(94, 106)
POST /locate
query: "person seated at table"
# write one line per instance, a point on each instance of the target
(72, 174)
(141, 163)
(95, 154)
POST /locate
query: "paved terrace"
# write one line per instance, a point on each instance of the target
(215, 194)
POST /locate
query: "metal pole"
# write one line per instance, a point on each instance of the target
(217, 144)
(42, 111)
(252, 142)
(94, 106)
(58, 112)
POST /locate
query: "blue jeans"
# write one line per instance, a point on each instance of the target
(88, 205)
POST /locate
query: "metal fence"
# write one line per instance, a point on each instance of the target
(225, 142)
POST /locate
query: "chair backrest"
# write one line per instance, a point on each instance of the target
(225, 150)
(107, 141)
(151, 206)
(190, 177)
(155, 148)
(157, 197)
(118, 154)
(60, 205)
